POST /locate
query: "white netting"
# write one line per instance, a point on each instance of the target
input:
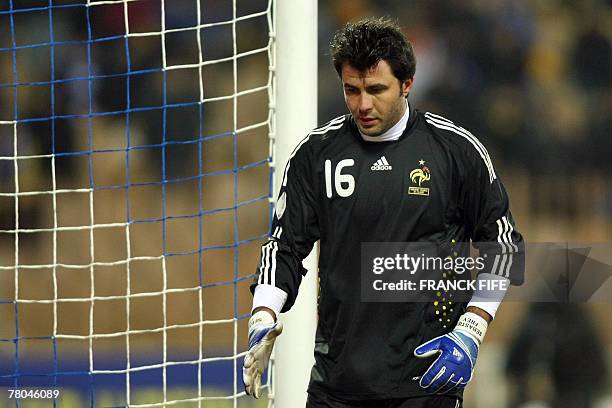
(135, 193)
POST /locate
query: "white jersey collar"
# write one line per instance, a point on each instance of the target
(394, 132)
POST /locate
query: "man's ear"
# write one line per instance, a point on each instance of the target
(406, 86)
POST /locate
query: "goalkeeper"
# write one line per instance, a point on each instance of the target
(386, 172)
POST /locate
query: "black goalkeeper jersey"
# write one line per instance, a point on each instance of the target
(436, 184)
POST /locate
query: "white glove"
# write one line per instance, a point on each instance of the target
(262, 334)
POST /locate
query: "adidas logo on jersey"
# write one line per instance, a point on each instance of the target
(381, 164)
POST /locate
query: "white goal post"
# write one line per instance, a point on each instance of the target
(296, 115)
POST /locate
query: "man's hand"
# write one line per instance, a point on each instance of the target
(458, 351)
(262, 334)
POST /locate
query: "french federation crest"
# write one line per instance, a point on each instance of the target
(419, 176)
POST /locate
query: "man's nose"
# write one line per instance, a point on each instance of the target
(365, 103)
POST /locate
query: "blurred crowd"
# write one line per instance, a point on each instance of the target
(98, 73)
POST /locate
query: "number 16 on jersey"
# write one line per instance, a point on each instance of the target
(343, 183)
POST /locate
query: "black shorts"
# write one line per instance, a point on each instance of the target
(320, 400)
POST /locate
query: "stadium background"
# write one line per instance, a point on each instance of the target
(532, 79)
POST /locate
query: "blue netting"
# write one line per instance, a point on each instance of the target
(137, 157)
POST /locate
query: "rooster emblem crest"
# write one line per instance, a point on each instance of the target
(419, 176)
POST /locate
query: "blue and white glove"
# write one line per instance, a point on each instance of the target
(262, 334)
(458, 351)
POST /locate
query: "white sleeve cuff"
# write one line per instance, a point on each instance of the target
(269, 296)
(490, 298)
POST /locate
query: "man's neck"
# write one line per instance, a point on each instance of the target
(394, 132)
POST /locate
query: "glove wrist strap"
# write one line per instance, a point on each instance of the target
(472, 325)
(260, 318)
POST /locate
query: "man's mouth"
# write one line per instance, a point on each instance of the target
(367, 121)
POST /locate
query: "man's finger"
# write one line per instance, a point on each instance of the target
(444, 384)
(434, 372)
(429, 348)
(248, 360)
(257, 385)
(246, 380)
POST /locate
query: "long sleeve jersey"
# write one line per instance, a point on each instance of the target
(435, 184)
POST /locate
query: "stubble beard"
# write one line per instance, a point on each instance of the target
(394, 116)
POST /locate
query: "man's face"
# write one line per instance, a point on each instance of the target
(376, 98)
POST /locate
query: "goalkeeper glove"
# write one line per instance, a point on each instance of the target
(262, 333)
(457, 355)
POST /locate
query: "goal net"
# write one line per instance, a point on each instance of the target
(135, 187)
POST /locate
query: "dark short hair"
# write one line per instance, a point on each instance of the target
(365, 43)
